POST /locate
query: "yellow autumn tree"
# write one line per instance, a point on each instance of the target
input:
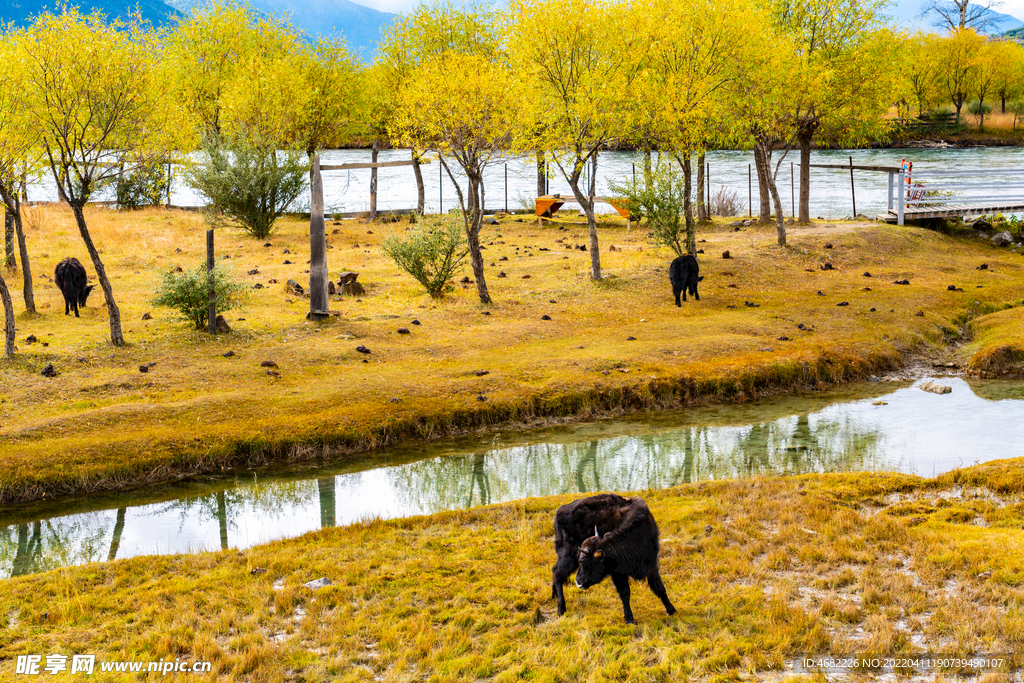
(957, 55)
(694, 47)
(19, 151)
(846, 78)
(578, 62)
(99, 109)
(462, 103)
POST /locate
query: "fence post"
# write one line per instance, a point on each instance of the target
(506, 187)
(889, 197)
(211, 311)
(853, 192)
(440, 186)
(792, 190)
(899, 209)
(750, 193)
(318, 302)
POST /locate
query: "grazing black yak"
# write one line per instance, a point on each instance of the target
(70, 278)
(684, 274)
(607, 535)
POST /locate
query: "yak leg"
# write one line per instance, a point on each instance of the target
(621, 582)
(560, 573)
(676, 291)
(654, 581)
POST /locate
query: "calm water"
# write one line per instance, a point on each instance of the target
(346, 191)
(834, 431)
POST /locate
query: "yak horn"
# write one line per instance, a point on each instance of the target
(596, 535)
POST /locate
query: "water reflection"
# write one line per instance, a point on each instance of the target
(908, 430)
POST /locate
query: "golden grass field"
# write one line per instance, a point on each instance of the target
(102, 424)
(761, 571)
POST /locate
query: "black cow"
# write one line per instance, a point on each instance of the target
(71, 278)
(607, 535)
(684, 274)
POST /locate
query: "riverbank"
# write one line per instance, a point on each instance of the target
(762, 571)
(208, 405)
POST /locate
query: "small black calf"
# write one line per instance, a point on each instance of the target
(71, 278)
(607, 535)
(685, 274)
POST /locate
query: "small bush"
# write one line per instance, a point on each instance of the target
(725, 202)
(145, 186)
(247, 183)
(189, 293)
(976, 108)
(661, 203)
(431, 252)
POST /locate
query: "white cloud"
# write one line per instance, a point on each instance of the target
(393, 6)
(1015, 8)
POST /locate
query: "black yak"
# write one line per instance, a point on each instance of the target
(607, 535)
(71, 278)
(684, 273)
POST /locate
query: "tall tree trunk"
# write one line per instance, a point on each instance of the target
(318, 277)
(648, 172)
(473, 220)
(10, 262)
(805, 177)
(373, 183)
(418, 172)
(12, 202)
(763, 148)
(27, 290)
(691, 225)
(981, 114)
(476, 217)
(116, 338)
(1002, 96)
(764, 197)
(583, 197)
(542, 174)
(702, 208)
(5, 296)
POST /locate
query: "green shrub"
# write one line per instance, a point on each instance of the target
(431, 252)
(145, 186)
(660, 202)
(189, 293)
(976, 108)
(247, 183)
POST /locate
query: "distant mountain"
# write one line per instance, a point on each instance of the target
(361, 26)
(1015, 34)
(907, 13)
(158, 13)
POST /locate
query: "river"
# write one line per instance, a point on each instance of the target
(511, 182)
(859, 427)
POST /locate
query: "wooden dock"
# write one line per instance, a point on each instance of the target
(912, 213)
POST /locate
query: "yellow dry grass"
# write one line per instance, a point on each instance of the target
(101, 423)
(762, 571)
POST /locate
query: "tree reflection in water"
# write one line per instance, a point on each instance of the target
(325, 487)
(632, 455)
(115, 539)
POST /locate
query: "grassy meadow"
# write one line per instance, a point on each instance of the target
(761, 571)
(619, 344)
